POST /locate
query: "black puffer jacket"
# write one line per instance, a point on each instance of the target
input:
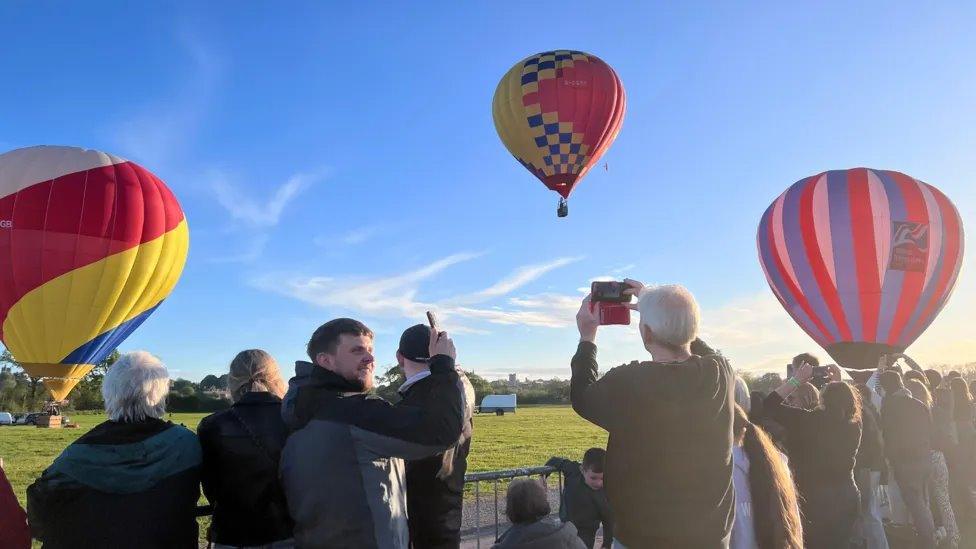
(241, 449)
(434, 504)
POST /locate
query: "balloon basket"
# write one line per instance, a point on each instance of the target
(48, 421)
(562, 210)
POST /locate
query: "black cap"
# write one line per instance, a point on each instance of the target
(415, 343)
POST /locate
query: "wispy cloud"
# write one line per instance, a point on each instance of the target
(397, 295)
(159, 131)
(258, 212)
(355, 236)
(517, 279)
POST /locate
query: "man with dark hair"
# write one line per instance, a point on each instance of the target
(342, 467)
(934, 379)
(804, 358)
(435, 484)
(583, 501)
(906, 427)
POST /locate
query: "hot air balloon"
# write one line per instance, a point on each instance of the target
(862, 259)
(90, 245)
(557, 112)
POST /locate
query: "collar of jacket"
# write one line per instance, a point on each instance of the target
(252, 398)
(326, 379)
(410, 381)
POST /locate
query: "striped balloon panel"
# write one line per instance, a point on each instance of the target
(861, 255)
(90, 245)
(557, 112)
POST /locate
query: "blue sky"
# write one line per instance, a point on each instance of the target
(340, 160)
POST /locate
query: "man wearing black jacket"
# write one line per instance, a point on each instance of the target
(435, 484)
(342, 467)
(584, 502)
(669, 457)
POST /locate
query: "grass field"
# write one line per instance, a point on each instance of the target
(526, 438)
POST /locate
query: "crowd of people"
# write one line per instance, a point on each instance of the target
(694, 459)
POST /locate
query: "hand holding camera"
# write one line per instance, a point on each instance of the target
(613, 300)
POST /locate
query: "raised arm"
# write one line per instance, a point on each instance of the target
(421, 430)
(775, 404)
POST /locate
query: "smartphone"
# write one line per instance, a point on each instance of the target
(432, 320)
(611, 292)
(611, 314)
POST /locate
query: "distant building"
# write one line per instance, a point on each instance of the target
(499, 404)
(513, 380)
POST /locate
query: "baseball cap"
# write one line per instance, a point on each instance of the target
(415, 343)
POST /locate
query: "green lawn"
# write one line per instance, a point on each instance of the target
(526, 438)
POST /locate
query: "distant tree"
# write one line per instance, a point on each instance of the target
(481, 386)
(210, 382)
(388, 383)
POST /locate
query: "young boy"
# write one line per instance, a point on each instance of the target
(584, 503)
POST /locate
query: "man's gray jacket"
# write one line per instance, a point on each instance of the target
(342, 466)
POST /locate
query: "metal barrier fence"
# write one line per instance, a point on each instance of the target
(473, 534)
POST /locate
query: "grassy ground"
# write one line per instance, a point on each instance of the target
(526, 438)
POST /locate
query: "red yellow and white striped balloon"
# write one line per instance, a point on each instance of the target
(90, 245)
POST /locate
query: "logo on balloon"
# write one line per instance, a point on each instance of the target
(575, 83)
(909, 246)
(6, 224)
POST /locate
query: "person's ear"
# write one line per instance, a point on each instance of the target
(399, 357)
(647, 336)
(324, 360)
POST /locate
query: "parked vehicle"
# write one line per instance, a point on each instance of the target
(28, 419)
(6, 418)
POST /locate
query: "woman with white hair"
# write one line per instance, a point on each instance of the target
(241, 450)
(132, 481)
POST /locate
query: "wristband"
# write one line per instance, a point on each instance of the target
(794, 382)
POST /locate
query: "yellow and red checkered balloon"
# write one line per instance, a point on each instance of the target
(557, 112)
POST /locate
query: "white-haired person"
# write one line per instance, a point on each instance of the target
(669, 458)
(132, 481)
(241, 450)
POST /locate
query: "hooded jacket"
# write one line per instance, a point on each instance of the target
(542, 534)
(585, 507)
(342, 467)
(907, 427)
(120, 485)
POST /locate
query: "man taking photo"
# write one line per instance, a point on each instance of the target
(669, 458)
(342, 467)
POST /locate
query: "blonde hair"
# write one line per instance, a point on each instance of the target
(919, 391)
(467, 395)
(254, 370)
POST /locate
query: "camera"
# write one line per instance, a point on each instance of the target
(613, 292)
(610, 300)
(821, 375)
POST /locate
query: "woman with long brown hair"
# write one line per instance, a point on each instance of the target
(767, 515)
(822, 444)
(938, 483)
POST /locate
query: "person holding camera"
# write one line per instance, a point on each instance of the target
(669, 458)
(822, 444)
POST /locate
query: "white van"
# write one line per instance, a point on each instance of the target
(6, 418)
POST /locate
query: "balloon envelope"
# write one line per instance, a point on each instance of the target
(90, 245)
(557, 112)
(862, 259)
